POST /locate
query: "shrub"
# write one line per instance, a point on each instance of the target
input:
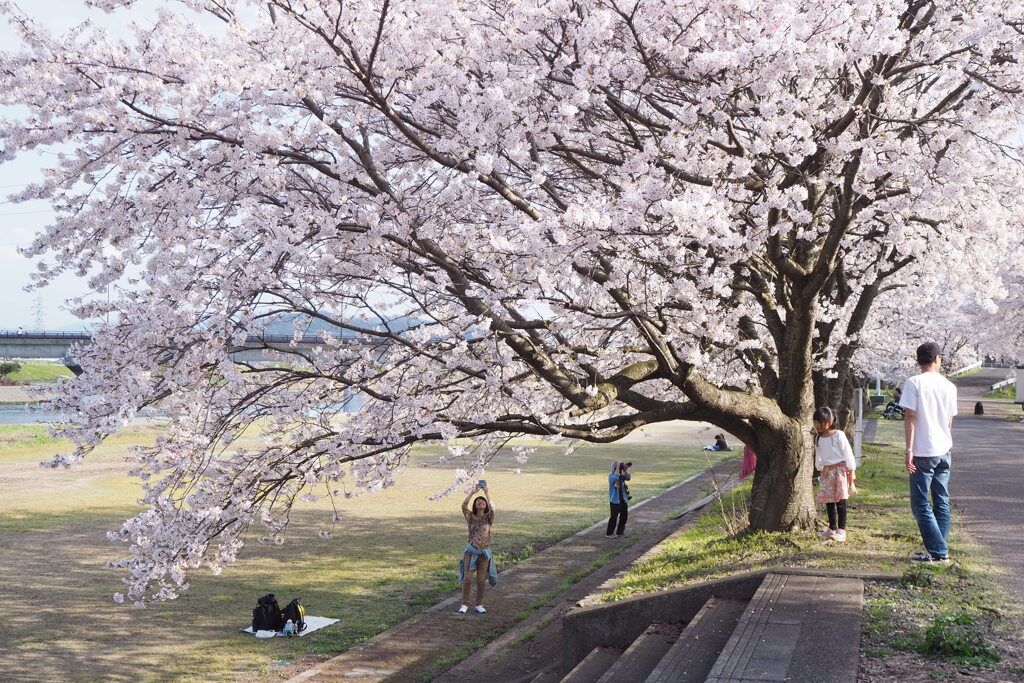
(9, 369)
(958, 638)
(917, 576)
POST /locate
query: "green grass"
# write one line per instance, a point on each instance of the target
(953, 613)
(41, 373)
(1008, 392)
(393, 554)
(23, 436)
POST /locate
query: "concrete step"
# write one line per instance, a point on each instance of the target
(593, 666)
(549, 675)
(790, 621)
(643, 654)
(690, 658)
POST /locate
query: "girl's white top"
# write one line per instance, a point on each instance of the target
(832, 450)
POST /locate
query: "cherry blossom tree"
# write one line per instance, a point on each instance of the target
(589, 216)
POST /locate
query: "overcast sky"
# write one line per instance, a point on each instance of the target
(20, 222)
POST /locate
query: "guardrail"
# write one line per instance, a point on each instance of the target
(1006, 382)
(966, 368)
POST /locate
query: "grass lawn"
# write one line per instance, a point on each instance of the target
(40, 373)
(957, 615)
(392, 554)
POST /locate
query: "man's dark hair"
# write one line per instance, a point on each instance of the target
(927, 353)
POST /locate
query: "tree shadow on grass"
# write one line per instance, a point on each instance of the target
(374, 572)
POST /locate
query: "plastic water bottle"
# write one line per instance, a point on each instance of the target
(289, 628)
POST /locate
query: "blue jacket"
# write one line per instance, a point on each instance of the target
(615, 492)
(492, 570)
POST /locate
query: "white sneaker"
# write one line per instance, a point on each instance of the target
(463, 609)
(479, 608)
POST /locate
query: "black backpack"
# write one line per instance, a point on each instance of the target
(297, 613)
(267, 615)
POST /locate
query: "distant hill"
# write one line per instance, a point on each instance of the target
(73, 327)
(283, 325)
(287, 324)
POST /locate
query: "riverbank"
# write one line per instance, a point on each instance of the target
(392, 555)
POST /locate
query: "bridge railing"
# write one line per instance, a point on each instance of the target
(46, 335)
(251, 339)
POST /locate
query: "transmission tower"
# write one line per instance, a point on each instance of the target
(38, 309)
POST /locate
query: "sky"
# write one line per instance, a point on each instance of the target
(20, 222)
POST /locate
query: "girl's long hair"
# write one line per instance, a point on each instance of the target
(487, 506)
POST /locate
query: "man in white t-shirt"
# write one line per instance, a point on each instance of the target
(930, 403)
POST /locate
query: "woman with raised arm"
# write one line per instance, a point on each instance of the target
(477, 558)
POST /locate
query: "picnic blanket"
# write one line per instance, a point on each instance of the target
(312, 624)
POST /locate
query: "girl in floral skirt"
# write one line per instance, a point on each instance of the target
(833, 457)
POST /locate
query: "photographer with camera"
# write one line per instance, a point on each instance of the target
(618, 498)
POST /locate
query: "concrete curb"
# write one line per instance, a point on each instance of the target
(569, 599)
(410, 629)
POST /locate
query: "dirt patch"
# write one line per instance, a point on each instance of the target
(914, 668)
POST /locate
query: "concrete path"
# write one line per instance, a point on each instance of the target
(435, 639)
(987, 479)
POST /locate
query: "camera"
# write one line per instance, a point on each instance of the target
(626, 465)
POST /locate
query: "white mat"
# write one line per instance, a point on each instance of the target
(312, 624)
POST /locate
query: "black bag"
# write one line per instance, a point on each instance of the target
(629, 496)
(267, 615)
(297, 613)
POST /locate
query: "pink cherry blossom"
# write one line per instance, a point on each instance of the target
(562, 219)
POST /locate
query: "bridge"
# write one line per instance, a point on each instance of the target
(57, 345)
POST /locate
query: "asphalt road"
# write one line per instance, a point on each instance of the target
(987, 479)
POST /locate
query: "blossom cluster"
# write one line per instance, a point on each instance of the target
(560, 218)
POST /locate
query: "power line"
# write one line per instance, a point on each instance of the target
(26, 213)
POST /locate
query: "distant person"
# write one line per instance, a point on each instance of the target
(477, 558)
(749, 462)
(21, 330)
(720, 444)
(618, 499)
(895, 402)
(929, 400)
(833, 457)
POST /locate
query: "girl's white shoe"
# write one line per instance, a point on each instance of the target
(463, 609)
(479, 608)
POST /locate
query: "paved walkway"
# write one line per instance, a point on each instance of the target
(433, 640)
(987, 480)
(986, 489)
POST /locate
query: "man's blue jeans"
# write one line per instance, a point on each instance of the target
(931, 477)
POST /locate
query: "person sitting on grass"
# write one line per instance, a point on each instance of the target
(720, 444)
(477, 558)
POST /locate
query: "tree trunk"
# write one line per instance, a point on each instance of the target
(782, 498)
